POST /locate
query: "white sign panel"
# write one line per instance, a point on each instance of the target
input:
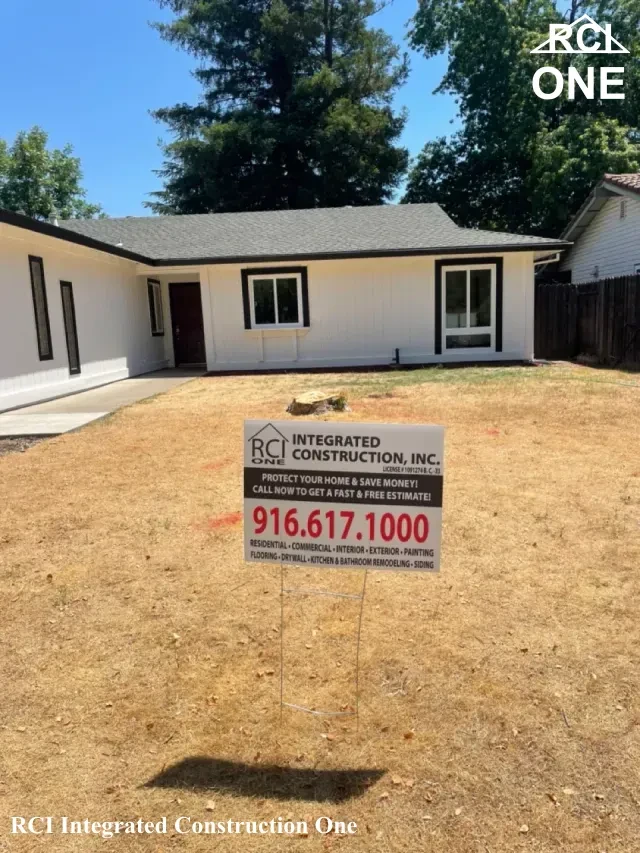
(343, 495)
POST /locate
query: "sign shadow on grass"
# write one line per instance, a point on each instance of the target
(265, 780)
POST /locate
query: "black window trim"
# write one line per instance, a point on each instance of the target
(38, 260)
(478, 260)
(152, 313)
(73, 371)
(277, 272)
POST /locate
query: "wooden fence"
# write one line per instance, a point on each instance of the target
(600, 319)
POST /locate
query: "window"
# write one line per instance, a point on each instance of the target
(155, 307)
(623, 208)
(469, 307)
(70, 330)
(40, 308)
(636, 269)
(275, 298)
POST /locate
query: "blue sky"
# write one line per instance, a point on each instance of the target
(89, 72)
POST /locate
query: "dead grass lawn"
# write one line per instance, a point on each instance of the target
(498, 695)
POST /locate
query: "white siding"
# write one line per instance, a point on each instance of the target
(609, 243)
(360, 311)
(112, 316)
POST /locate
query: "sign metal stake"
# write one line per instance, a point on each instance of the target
(321, 592)
(281, 639)
(364, 589)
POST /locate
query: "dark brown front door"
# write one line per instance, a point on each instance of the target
(186, 322)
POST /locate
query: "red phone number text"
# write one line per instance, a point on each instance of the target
(340, 525)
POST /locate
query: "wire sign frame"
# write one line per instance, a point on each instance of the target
(306, 591)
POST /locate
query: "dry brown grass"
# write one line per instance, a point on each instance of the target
(135, 637)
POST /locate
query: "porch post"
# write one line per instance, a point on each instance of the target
(207, 318)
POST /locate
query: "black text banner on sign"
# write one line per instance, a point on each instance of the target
(343, 495)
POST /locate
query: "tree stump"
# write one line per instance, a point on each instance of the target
(316, 403)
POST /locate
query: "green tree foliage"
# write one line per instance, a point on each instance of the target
(42, 183)
(521, 163)
(295, 110)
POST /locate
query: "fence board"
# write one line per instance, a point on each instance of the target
(600, 318)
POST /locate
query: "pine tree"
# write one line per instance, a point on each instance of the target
(295, 109)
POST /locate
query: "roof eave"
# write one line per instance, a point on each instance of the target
(381, 253)
(19, 220)
(596, 200)
(621, 189)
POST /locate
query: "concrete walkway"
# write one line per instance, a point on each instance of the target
(68, 413)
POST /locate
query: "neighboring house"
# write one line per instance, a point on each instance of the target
(606, 231)
(87, 302)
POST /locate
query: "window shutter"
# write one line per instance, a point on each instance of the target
(245, 299)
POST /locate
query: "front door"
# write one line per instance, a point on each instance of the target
(186, 323)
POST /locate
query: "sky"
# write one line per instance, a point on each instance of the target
(89, 73)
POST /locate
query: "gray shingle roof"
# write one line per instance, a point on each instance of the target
(299, 234)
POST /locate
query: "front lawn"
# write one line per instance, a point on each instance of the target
(499, 699)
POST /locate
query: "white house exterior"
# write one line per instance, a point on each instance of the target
(362, 310)
(606, 231)
(111, 311)
(85, 303)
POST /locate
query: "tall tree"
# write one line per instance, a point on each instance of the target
(295, 109)
(42, 183)
(519, 162)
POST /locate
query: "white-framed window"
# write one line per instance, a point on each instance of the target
(469, 307)
(155, 307)
(275, 300)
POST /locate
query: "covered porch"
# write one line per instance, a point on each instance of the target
(180, 313)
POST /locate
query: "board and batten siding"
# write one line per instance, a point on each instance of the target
(361, 311)
(609, 244)
(112, 319)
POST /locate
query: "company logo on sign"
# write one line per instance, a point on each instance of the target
(268, 446)
(560, 36)
(583, 36)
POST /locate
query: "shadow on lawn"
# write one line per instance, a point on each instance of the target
(267, 780)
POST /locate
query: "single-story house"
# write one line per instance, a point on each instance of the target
(87, 302)
(605, 231)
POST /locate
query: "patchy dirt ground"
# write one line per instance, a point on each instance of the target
(18, 445)
(500, 707)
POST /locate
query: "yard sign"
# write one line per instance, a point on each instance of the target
(343, 495)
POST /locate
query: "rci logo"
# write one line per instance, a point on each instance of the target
(590, 38)
(268, 446)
